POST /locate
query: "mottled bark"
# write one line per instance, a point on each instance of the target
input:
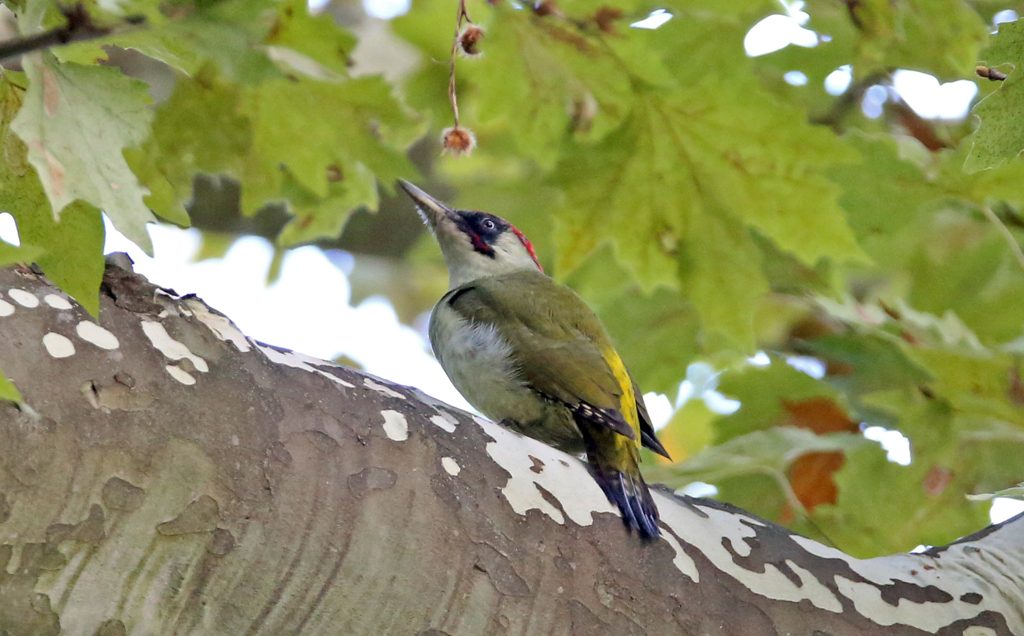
(167, 475)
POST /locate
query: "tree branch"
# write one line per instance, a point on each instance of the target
(166, 474)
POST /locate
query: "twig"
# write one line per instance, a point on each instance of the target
(461, 17)
(79, 27)
(1007, 234)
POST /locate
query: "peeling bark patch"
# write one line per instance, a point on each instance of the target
(56, 302)
(5, 508)
(57, 345)
(683, 562)
(221, 327)
(221, 542)
(6, 309)
(119, 494)
(444, 422)
(112, 627)
(920, 600)
(567, 481)
(91, 530)
(170, 347)
(380, 388)
(971, 597)
(180, 374)
(775, 580)
(538, 465)
(450, 466)
(97, 335)
(23, 298)
(201, 515)
(370, 479)
(395, 426)
(301, 361)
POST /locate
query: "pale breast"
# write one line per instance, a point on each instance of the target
(479, 363)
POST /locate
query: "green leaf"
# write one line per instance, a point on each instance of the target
(875, 495)
(763, 393)
(76, 121)
(681, 181)
(937, 36)
(8, 391)
(316, 217)
(352, 130)
(319, 37)
(198, 129)
(227, 32)
(74, 256)
(883, 193)
(10, 254)
(1000, 137)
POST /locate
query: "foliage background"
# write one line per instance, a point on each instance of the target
(704, 206)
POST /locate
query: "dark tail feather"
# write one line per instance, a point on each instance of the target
(630, 494)
(650, 441)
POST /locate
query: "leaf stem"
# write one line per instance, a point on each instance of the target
(461, 17)
(1015, 247)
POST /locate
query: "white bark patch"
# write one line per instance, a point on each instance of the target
(97, 335)
(57, 302)
(380, 388)
(692, 528)
(563, 477)
(444, 421)
(301, 361)
(450, 466)
(180, 374)
(57, 345)
(170, 347)
(6, 309)
(682, 560)
(395, 426)
(953, 570)
(221, 327)
(23, 298)
(826, 599)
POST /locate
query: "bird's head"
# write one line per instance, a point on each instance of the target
(475, 244)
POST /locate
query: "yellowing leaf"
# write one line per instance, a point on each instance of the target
(76, 121)
(72, 244)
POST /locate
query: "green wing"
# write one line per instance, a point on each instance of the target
(557, 340)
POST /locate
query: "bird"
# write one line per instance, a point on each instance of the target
(528, 353)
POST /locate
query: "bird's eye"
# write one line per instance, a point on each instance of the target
(488, 224)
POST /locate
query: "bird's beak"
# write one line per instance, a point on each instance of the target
(432, 210)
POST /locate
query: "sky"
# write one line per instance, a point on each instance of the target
(307, 308)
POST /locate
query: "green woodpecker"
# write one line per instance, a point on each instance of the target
(528, 353)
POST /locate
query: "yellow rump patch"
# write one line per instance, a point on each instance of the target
(627, 402)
